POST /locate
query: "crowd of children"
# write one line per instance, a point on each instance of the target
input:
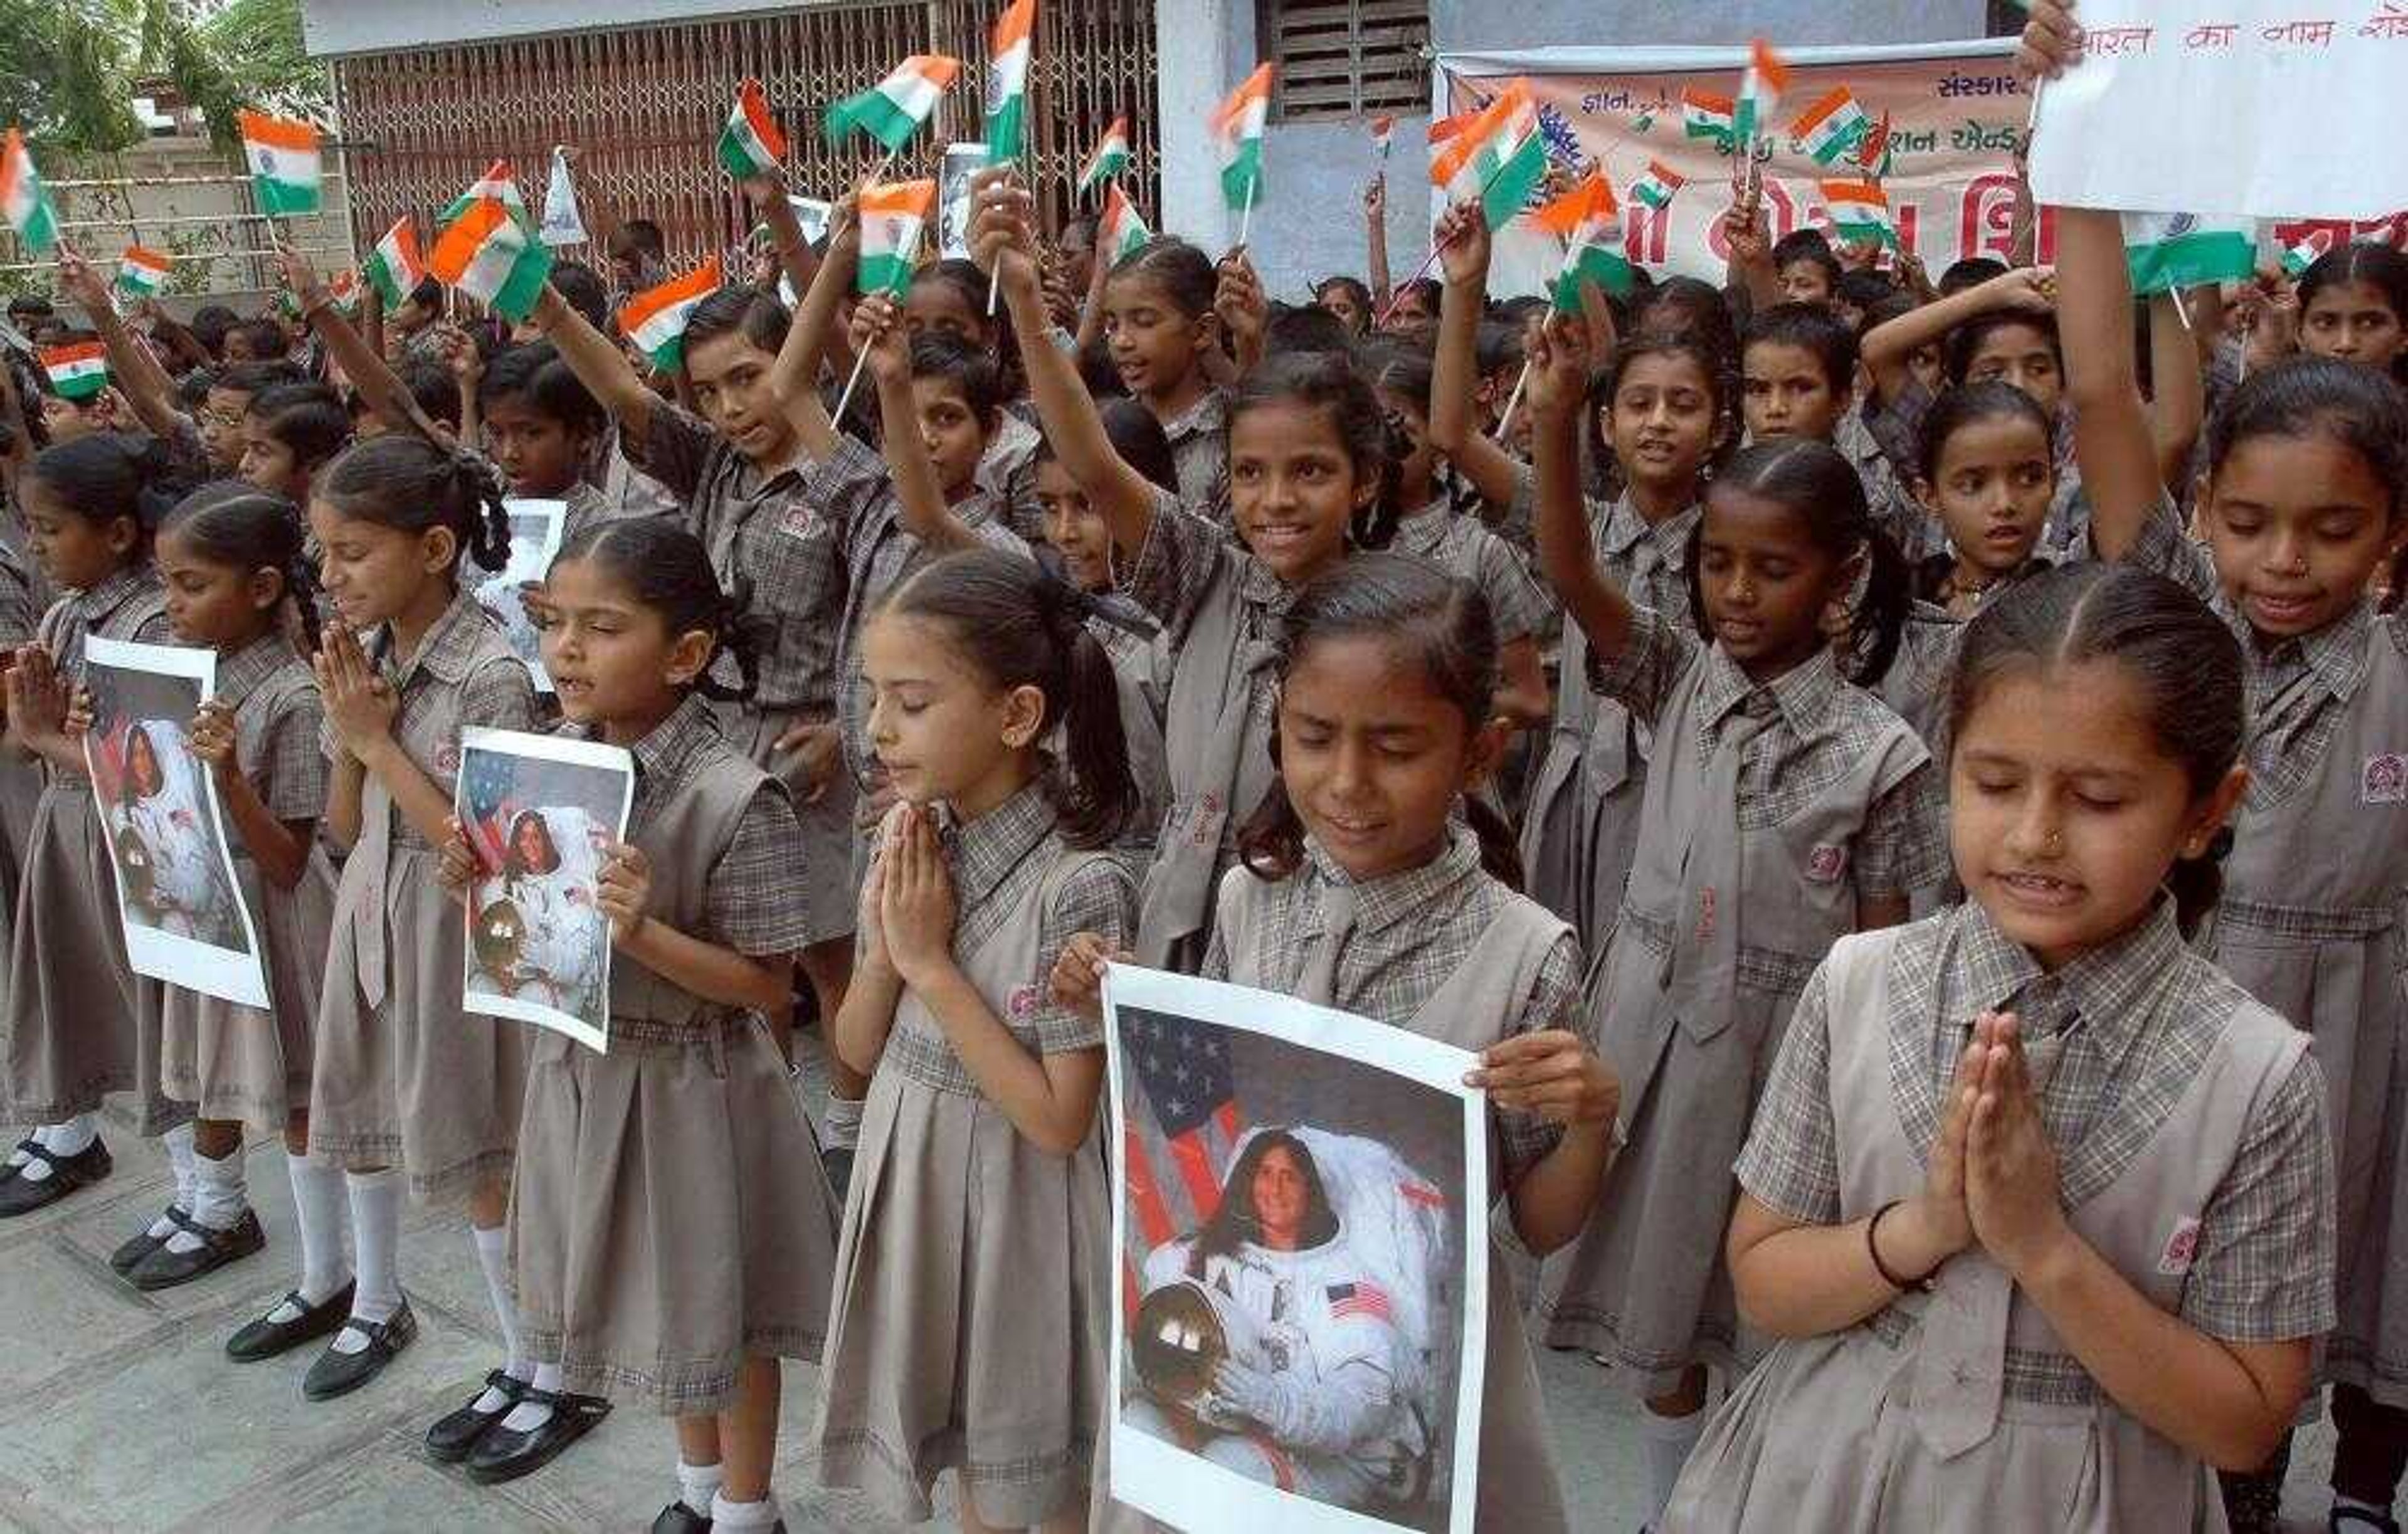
(1911, 823)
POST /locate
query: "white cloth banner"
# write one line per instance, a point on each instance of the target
(561, 223)
(2242, 106)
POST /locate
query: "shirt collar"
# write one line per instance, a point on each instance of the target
(983, 852)
(1421, 531)
(119, 587)
(1210, 413)
(1986, 970)
(242, 672)
(661, 756)
(1390, 899)
(1625, 528)
(1257, 587)
(2337, 652)
(1801, 695)
(450, 645)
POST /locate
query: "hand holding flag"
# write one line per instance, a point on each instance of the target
(892, 221)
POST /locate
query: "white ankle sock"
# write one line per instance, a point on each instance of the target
(843, 1123)
(219, 1199)
(70, 1136)
(375, 1231)
(318, 1210)
(178, 1144)
(1668, 1442)
(726, 1514)
(697, 1485)
(528, 1415)
(492, 1256)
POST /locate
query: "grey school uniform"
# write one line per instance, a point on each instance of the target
(2192, 1155)
(669, 1215)
(2310, 919)
(1142, 669)
(21, 778)
(1220, 611)
(774, 537)
(1582, 827)
(82, 1023)
(1199, 451)
(1008, 474)
(235, 1062)
(1771, 812)
(970, 1329)
(402, 1074)
(1461, 546)
(1446, 952)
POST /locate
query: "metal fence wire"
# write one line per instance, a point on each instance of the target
(644, 107)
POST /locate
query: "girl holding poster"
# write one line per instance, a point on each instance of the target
(684, 1302)
(1361, 890)
(90, 506)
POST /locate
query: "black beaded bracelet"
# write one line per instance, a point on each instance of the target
(1872, 1249)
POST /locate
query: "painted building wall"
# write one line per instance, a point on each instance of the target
(1310, 224)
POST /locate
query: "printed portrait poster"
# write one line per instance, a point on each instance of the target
(185, 920)
(537, 810)
(1298, 1337)
(962, 161)
(536, 528)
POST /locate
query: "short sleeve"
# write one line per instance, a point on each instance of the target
(1654, 656)
(1791, 1161)
(1516, 602)
(2263, 1271)
(749, 898)
(1903, 846)
(1098, 896)
(1517, 521)
(853, 488)
(1524, 1140)
(498, 695)
(2164, 548)
(672, 451)
(1183, 556)
(291, 773)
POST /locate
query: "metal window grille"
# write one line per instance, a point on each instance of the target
(1342, 58)
(645, 106)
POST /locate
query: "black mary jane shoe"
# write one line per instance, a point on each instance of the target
(506, 1453)
(25, 1147)
(2359, 1521)
(168, 1268)
(454, 1435)
(336, 1374)
(265, 1339)
(678, 1518)
(22, 1195)
(130, 1251)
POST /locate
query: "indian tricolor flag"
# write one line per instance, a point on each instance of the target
(750, 144)
(2169, 251)
(491, 256)
(1831, 127)
(1705, 115)
(1860, 213)
(655, 318)
(1111, 159)
(1656, 187)
(891, 217)
(141, 273)
(1497, 160)
(1760, 91)
(1237, 128)
(498, 183)
(2300, 257)
(892, 110)
(1007, 82)
(78, 371)
(1383, 132)
(394, 267)
(22, 201)
(344, 292)
(1123, 233)
(282, 153)
(1589, 219)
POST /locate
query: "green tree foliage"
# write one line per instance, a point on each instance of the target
(70, 69)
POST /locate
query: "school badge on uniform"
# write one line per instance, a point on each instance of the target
(2181, 1249)
(1827, 863)
(2385, 779)
(1022, 1005)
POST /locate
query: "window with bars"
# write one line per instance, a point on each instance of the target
(1342, 58)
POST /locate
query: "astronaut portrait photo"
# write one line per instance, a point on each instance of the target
(536, 812)
(176, 882)
(536, 528)
(1294, 1336)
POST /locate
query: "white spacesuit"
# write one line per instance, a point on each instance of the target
(188, 892)
(560, 957)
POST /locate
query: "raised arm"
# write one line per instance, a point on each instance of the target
(768, 195)
(1375, 218)
(1000, 234)
(1889, 346)
(2112, 435)
(147, 386)
(1746, 232)
(1557, 394)
(375, 380)
(598, 364)
(1464, 246)
(919, 500)
(2178, 374)
(807, 337)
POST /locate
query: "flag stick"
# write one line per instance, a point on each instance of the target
(846, 398)
(1505, 421)
(1397, 295)
(1246, 218)
(2182, 310)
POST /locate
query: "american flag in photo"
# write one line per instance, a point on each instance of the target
(1182, 1133)
(489, 797)
(1361, 1297)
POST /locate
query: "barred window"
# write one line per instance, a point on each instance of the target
(1342, 58)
